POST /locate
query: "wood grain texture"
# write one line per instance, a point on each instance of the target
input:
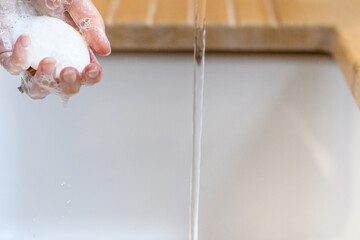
(251, 12)
(330, 26)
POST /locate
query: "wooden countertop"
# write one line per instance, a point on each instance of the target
(331, 26)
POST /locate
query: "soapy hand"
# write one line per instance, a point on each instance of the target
(83, 16)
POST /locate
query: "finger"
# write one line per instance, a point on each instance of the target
(32, 89)
(45, 73)
(17, 61)
(91, 25)
(36, 91)
(44, 79)
(70, 81)
(92, 74)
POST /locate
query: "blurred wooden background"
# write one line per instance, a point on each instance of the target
(331, 26)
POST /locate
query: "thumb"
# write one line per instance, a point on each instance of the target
(18, 60)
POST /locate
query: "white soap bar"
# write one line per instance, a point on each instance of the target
(52, 37)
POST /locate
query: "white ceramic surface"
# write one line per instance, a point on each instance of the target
(280, 157)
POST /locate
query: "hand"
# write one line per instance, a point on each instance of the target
(83, 16)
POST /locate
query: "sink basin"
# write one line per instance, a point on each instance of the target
(280, 152)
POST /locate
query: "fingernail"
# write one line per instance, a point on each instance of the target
(69, 75)
(25, 41)
(48, 66)
(93, 73)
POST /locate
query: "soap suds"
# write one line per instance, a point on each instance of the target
(50, 37)
(53, 4)
(4, 38)
(85, 23)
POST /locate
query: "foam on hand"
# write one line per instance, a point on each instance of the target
(52, 37)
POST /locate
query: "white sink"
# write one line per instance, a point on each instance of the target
(280, 154)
